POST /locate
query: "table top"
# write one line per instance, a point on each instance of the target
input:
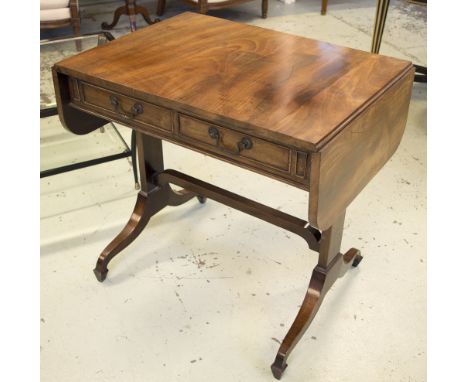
(292, 88)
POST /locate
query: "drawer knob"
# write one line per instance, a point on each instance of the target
(244, 144)
(136, 109)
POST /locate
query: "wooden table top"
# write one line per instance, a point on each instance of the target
(293, 88)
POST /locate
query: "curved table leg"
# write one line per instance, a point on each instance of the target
(145, 14)
(118, 12)
(131, 9)
(145, 207)
(155, 194)
(323, 277)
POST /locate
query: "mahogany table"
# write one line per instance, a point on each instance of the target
(316, 116)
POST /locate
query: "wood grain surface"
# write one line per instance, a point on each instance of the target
(349, 161)
(295, 90)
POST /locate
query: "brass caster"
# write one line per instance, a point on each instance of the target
(357, 260)
(100, 275)
(278, 370)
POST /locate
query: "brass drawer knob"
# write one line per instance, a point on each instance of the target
(244, 144)
(136, 109)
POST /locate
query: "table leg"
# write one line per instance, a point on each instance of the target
(264, 9)
(379, 26)
(145, 14)
(160, 7)
(331, 265)
(131, 14)
(118, 12)
(380, 17)
(323, 11)
(131, 9)
(134, 159)
(152, 198)
(202, 6)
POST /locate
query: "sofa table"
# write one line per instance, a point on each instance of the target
(316, 116)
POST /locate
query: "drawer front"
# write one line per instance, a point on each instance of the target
(235, 144)
(127, 108)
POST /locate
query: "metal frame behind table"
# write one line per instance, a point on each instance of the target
(51, 111)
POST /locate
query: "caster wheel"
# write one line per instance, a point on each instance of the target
(201, 199)
(100, 275)
(278, 370)
(357, 260)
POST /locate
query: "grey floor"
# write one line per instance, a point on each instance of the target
(206, 292)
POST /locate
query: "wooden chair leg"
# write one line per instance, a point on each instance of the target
(161, 7)
(331, 265)
(324, 7)
(202, 6)
(75, 22)
(264, 9)
(77, 32)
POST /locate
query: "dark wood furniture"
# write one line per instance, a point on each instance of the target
(131, 9)
(316, 116)
(204, 6)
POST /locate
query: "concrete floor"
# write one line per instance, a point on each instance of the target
(206, 292)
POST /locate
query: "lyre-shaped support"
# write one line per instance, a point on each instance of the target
(156, 193)
(332, 265)
(153, 197)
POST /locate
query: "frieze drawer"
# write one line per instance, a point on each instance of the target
(126, 108)
(235, 144)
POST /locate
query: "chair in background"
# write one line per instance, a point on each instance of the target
(59, 14)
(205, 5)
